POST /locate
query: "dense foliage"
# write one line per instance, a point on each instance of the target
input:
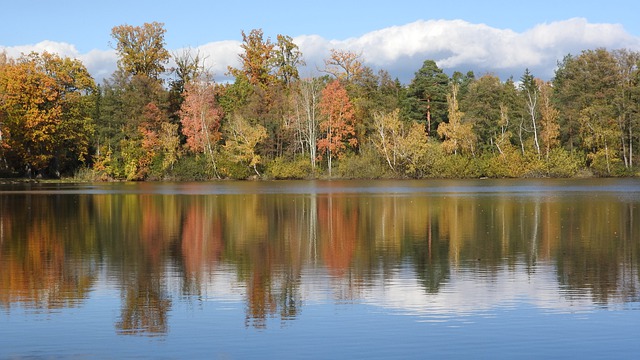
(147, 122)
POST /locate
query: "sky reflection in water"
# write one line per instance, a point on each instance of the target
(321, 269)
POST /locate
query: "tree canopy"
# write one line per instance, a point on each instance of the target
(150, 122)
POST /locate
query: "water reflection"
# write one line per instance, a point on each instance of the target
(431, 254)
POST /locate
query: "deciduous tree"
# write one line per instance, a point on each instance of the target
(627, 101)
(307, 116)
(141, 49)
(549, 127)
(387, 136)
(530, 91)
(457, 136)
(46, 108)
(256, 59)
(241, 141)
(586, 86)
(287, 57)
(200, 116)
(344, 65)
(337, 123)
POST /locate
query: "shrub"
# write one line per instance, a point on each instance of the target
(367, 165)
(509, 164)
(460, 167)
(424, 161)
(605, 163)
(86, 174)
(231, 169)
(281, 168)
(191, 168)
(562, 163)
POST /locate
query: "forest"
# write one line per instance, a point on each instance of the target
(152, 121)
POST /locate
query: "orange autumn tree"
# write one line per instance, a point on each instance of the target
(45, 108)
(200, 117)
(337, 123)
(256, 60)
(345, 65)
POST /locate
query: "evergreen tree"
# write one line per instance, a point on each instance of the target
(427, 96)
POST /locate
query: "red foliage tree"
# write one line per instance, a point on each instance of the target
(337, 124)
(200, 116)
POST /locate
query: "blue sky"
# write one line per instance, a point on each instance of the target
(82, 29)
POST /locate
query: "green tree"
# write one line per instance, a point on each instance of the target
(481, 108)
(627, 101)
(586, 87)
(124, 102)
(427, 96)
(259, 96)
(287, 57)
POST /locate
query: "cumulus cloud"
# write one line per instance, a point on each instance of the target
(401, 50)
(460, 45)
(99, 63)
(218, 56)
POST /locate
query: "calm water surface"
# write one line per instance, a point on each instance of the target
(312, 269)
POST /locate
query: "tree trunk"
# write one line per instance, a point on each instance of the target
(532, 104)
(630, 148)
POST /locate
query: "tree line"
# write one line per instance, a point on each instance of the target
(151, 122)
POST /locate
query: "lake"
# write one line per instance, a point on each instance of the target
(321, 269)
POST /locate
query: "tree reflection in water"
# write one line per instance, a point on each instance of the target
(282, 250)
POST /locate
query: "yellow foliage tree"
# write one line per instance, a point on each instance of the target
(242, 139)
(457, 136)
(45, 108)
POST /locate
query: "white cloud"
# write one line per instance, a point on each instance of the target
(505, 287)
(401, 50)
(460, 45)
(61, 48)
(99, 63)
(218, 56)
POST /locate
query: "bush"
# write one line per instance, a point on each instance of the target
(281, 168)
(367, 165)
(509, 164)
(191, 168)
(230, 169)
(423, 161)
(86, 174)
(562, 163)
(606, 163)
(460, 167)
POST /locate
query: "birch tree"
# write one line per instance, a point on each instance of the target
(308, 116)
(531, 94)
